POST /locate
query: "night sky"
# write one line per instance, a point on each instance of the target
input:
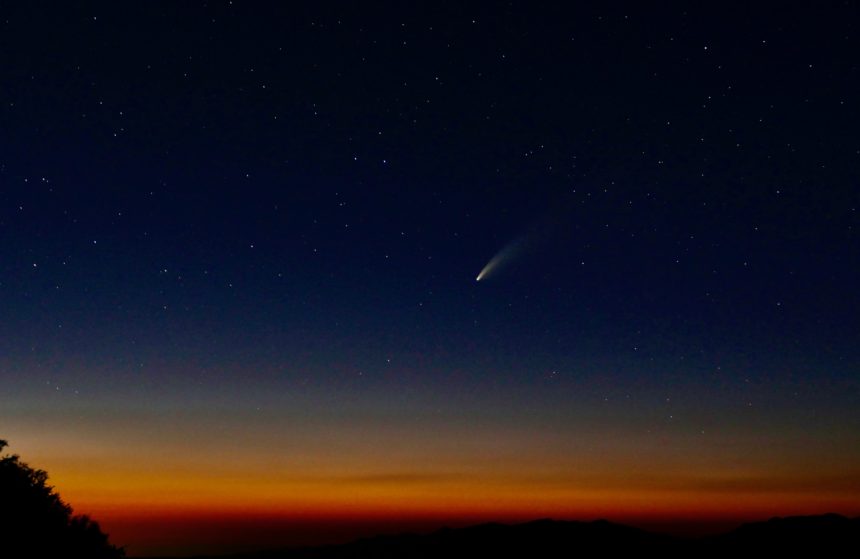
(239, 245)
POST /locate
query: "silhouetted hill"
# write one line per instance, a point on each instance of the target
(541, 538)
(35, 522)
(822, 536)
(797, 534)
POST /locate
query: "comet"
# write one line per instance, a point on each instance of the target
(502, 258)
(541, 231)
(488, 268)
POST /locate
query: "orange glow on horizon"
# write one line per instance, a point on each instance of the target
(132, 507)
(165, 495)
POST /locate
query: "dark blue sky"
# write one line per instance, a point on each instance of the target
(260, 171)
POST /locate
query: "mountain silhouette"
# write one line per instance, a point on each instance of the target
(820, 536)
(814, 535)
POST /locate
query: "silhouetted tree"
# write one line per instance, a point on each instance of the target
(35, 522)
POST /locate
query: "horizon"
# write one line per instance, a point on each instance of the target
(255, 534)
(236, 522)
(239, 534)
(321, 269)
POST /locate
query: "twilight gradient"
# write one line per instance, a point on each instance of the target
(238, 247)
